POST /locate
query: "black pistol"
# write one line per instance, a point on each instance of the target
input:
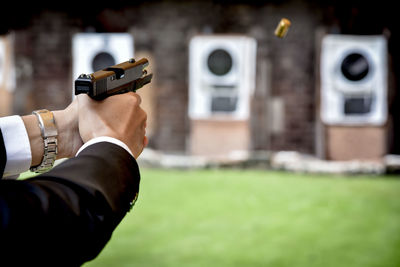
(121, 78)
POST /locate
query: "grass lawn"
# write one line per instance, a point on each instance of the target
(258, 218)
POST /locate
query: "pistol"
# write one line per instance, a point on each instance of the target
(121, 78)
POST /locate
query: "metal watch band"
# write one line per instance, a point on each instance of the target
(49, 133)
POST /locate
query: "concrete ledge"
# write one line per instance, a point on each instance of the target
(284, 160)
(296, 162)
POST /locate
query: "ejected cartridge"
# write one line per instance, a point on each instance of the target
(282, 28)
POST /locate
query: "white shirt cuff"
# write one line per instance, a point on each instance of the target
(105, 139)
(18, 148)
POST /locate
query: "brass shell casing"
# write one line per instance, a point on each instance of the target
(282, 28)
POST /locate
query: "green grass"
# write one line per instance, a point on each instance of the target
(258, 218)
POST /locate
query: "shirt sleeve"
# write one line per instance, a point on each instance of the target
(18, 150)
(105, 139)
(16, 142)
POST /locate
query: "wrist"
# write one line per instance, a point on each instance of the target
(35, 138)
(67, 127)
(49, 134)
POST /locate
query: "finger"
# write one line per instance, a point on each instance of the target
(73, 105)
(74, 101)
(83, 99)
(139, 99)
(145, 120)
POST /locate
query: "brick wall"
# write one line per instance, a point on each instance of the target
(43, 63)
(163, 29)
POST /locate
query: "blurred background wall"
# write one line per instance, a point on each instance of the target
(285, 103)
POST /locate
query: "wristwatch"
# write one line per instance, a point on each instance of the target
(49, 133)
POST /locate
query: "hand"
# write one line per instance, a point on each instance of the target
(119, 116)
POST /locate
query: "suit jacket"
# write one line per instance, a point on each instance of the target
(66, 216)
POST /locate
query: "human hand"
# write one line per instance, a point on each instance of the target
(118, 116)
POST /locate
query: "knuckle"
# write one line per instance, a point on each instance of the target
(143, 114)
(135, 98)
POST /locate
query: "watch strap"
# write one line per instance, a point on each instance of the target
(49, 134)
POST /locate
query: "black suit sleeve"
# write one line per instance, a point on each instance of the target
(66, 216)
(3, 155)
